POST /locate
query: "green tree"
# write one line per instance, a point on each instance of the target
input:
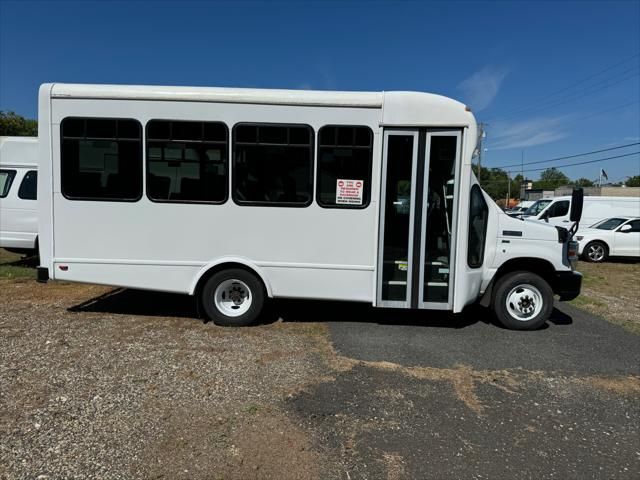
(633, 181)
(583, 182)
(494, 181)
(12, 124)
(551, 178)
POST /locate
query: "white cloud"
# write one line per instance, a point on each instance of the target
(528, 133)
(481, 88)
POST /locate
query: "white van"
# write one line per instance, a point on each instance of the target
(18, 192)
(520, 208)
(555, 211)
(236, 195)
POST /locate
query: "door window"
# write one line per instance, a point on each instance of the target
(478, 215)
(635, 226)
(397, 217)
(559, 209)
(439, 201)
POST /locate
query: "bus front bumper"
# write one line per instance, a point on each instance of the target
(567, 285)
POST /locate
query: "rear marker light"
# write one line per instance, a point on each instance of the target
(64, 268)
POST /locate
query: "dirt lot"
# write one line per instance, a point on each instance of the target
(611, 290)
(103, 383)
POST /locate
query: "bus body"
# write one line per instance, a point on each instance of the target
(239, 194)
(18, 180)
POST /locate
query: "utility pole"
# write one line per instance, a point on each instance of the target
(506, 203)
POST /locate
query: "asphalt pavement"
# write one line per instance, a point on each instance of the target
(457, 397)
(573, 342)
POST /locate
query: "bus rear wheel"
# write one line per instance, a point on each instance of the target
(233, 298)
(522, 301)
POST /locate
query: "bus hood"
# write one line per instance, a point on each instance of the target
(510, 227)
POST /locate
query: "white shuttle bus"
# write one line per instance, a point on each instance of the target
(236, 195)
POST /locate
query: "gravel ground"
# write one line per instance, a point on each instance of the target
(88, 394)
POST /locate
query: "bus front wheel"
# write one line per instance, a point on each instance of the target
(233, 298)
(522, 301)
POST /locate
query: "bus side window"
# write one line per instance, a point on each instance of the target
(272, 164)
(187, 161)
(101, 159)
(344, 154)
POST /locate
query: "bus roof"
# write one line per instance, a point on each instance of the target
(399, 108)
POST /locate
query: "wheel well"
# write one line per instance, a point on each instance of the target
(225, 266)
(536, 265)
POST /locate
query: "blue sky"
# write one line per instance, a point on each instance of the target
(550, 78)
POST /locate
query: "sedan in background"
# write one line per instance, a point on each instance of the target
(612, 237)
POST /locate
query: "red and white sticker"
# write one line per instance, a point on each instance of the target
(349, 192)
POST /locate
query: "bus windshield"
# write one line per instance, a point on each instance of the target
(536, 208)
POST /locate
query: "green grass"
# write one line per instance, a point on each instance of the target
(14, 266)
(608, 291)
(586, 302)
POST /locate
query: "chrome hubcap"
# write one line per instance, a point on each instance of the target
(524, 302)
(232, 298)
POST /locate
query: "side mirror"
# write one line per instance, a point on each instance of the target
(577, 199)
(545, 216)
(625, 228)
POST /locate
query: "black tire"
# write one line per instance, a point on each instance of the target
(246, 287)
(596, 252)
(509, 283)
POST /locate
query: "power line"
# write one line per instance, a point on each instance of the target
(568, 156)
(579, 82)
(582, 163)
(493, 182)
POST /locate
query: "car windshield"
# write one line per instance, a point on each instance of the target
(609, 223)
(537, 207)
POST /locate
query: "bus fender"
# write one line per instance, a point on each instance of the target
(231, 261)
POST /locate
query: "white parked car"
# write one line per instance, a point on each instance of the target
(18, 191)
(612, 237)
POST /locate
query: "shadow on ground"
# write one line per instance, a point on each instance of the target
(26, 262)
(159, 304)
